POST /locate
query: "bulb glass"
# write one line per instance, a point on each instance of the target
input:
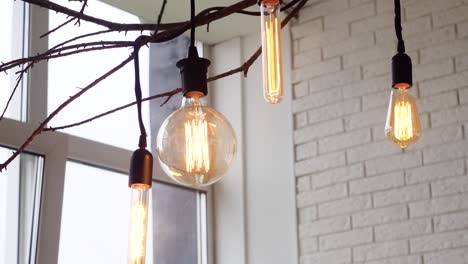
(138, 223)
(271, 51)
(403, 126)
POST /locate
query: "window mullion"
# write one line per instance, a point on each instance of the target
(51, 202)
(37, 81)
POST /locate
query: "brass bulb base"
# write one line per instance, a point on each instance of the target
(269, 2)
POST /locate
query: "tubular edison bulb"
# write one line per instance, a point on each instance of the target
(140, 181)
(271, 51)
(403, 127)
(196, 144)
(138, 223)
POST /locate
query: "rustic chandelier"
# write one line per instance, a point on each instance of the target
(196, 144)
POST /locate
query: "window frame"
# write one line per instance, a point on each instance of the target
(57, 148)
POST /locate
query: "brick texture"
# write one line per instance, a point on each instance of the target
(361, 199)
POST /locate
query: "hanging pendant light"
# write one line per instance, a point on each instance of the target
(271, 51)
(140, 181)
(403, 126)
(141, 169)
(196, 144)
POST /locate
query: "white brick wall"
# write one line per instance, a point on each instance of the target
(361, 200)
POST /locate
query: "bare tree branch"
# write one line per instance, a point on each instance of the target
(167, 94)
(40, 128)
(172, 30)
(66, 51)
(243, 68)
(142, 27)
(201, 19)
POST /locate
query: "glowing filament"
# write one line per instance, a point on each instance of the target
(138, 227)
(403, 121)
(403, 126)
(197, 153)
(272, 59)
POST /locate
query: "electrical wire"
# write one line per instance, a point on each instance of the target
(138, 94)
(398, 29)
(192, 21)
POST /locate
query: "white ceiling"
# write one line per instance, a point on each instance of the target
(178, 10)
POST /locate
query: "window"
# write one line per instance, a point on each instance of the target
(12, 46)
(95, 216)
(20, 193)
(95, 219)
(67, 75)
(180, 225)
(59, 166)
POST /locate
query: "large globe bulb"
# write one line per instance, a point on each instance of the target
(196, 144)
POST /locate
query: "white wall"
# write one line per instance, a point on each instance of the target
(361, 199)
(254, 205)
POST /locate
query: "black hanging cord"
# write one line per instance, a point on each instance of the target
(398, 29)
(192, 18)
(138, 95)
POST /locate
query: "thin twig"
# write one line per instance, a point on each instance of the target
(64, 51)
(167, 94)
(17, 84)
(58, 27)
(85, 4)
(81, 37)
(161, 12)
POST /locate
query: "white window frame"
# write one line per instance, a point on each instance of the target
(58, 148)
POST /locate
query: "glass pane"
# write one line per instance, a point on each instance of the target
(95, 218)
(67, 75)
(180, 225)
(11, 47)
(20, 196)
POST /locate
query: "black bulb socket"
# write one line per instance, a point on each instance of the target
(193, 71)
(402, 71)
(141, 168)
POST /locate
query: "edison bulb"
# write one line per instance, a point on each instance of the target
(196, 144)
(138, 223)
(271, 51)
(403, 126)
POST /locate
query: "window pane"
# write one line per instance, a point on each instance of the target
(180, 225)
(67, 75)
(20, 196)
(95, 218)
(11, 47)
